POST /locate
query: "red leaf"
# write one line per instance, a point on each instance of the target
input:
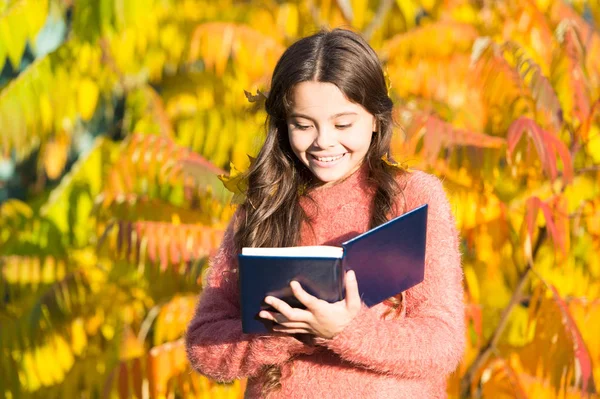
(136, 376)
(515, 380)
(151, 234)
(473, 312)
(432, 144)
(128, 238)
(584, 376)
(554, 233)
(533, 205)
(574, 50)
(156, 160)
(438, 133)
(159, 112)
(162, 246)
(531, 73)
(546, 144)
(123, 381)
(120, 237)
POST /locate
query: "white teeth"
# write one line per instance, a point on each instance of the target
(329, 159)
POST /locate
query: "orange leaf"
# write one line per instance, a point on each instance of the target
(539, 85)
(165, 362)
(584, 129)
(504, 378)
(584, 375)
(457, 37)
(172, 243)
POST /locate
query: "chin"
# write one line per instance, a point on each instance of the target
(330, 176)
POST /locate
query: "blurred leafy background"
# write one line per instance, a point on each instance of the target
(116, 116)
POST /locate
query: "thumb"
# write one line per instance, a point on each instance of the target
(352, 295)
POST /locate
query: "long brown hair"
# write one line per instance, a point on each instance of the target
(277, 179)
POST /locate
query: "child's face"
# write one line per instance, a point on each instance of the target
(327, 132)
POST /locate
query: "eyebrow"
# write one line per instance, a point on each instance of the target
(295, 115)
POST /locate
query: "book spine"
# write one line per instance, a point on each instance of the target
(340, 271)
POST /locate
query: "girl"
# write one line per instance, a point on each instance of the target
(321, 178)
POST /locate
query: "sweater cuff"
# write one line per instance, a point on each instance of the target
(280, 344)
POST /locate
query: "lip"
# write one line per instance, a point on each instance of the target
(330, 164)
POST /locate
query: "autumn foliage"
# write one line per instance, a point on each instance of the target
(121, 130)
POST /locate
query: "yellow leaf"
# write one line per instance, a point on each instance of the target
(236, 183)
(78, 336)
(55, 156)
(87, 98)
(15, 208)
(360, 12)
(2, 55)
(29, 378)
(287, 17)
(131, 347)
(45, 112)
(13, 35)
(543, 4)
(409, 10)
(472, 283)
(63, 358)
(593, 144)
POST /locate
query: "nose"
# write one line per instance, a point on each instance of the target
(325, 138)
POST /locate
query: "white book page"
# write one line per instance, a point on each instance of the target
(322, 251)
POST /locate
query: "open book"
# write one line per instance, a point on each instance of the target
(387, 260)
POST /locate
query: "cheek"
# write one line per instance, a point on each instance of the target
(298, 142)
(359, 142)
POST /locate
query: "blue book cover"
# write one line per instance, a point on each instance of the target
(387, 260)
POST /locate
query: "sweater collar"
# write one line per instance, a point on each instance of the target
(344, 190)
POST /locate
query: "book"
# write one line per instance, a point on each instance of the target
(387, 260)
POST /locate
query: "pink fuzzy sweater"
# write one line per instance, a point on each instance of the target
(376, 356)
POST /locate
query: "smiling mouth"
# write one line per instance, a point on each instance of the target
(328, 159)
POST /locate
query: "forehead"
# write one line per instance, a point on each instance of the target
(321, 100)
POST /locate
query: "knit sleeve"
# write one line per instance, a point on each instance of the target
(429, 339)
(215, 343)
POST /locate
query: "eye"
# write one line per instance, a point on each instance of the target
(342, 127)
(301, 127)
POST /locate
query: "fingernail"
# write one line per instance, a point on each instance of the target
(268, 300)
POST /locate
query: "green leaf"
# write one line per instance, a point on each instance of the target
(70, 204)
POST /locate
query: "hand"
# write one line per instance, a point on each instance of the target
(320, 318)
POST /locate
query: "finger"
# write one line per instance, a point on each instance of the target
(276, 317)
(286, 310)
(353, 300)
(266, 315)
(286, 330)
(294, 324)
(304, 297)
(282, 320)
